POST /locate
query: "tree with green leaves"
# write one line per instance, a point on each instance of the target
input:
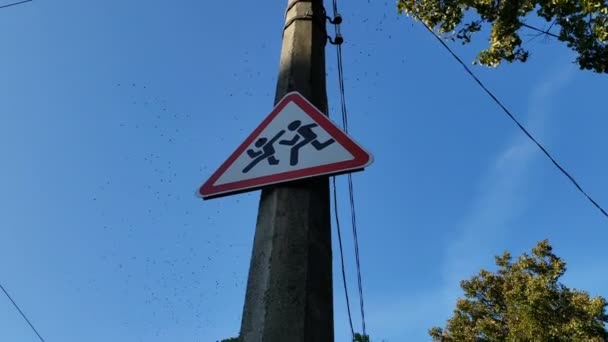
(582, 25)
(523, 301)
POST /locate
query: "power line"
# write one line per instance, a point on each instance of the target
(21, 312)
(357, 257)
(345, 123)
(15, 4)
(538, 30)
(512, 117)
(350, 319)
(344, 113)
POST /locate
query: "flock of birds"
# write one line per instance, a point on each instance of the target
(174, 255)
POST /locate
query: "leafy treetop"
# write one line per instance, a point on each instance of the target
(583, 26)
(523, 301)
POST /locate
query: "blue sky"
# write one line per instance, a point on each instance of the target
(113, 112)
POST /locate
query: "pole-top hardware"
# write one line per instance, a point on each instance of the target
(336, 41)
(337, 20)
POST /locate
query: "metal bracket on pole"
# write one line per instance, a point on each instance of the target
(337, 41)
(337, 20)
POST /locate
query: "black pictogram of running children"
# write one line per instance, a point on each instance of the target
(304, 135)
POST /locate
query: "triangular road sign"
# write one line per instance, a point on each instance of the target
(295, 141)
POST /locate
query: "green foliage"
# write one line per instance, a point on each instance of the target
(523, 301)
(583, 25)
(232, 339)
(361, 338)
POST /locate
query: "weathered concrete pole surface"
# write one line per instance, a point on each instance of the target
(289, 290)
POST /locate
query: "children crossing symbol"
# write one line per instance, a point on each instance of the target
(267, 152)
(308, 136)
(295, 141)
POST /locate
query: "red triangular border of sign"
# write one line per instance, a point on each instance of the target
(361, 157)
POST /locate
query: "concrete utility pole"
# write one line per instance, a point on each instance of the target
(289, 291)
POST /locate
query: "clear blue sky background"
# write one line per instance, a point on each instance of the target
(113, 112)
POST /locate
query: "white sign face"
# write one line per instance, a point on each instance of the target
(295, 141)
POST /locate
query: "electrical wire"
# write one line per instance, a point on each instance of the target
(350, 319)
(512, 117)
(15, 4)
(357, 254)
(539, 30)
(21, 312)
(344, 112)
